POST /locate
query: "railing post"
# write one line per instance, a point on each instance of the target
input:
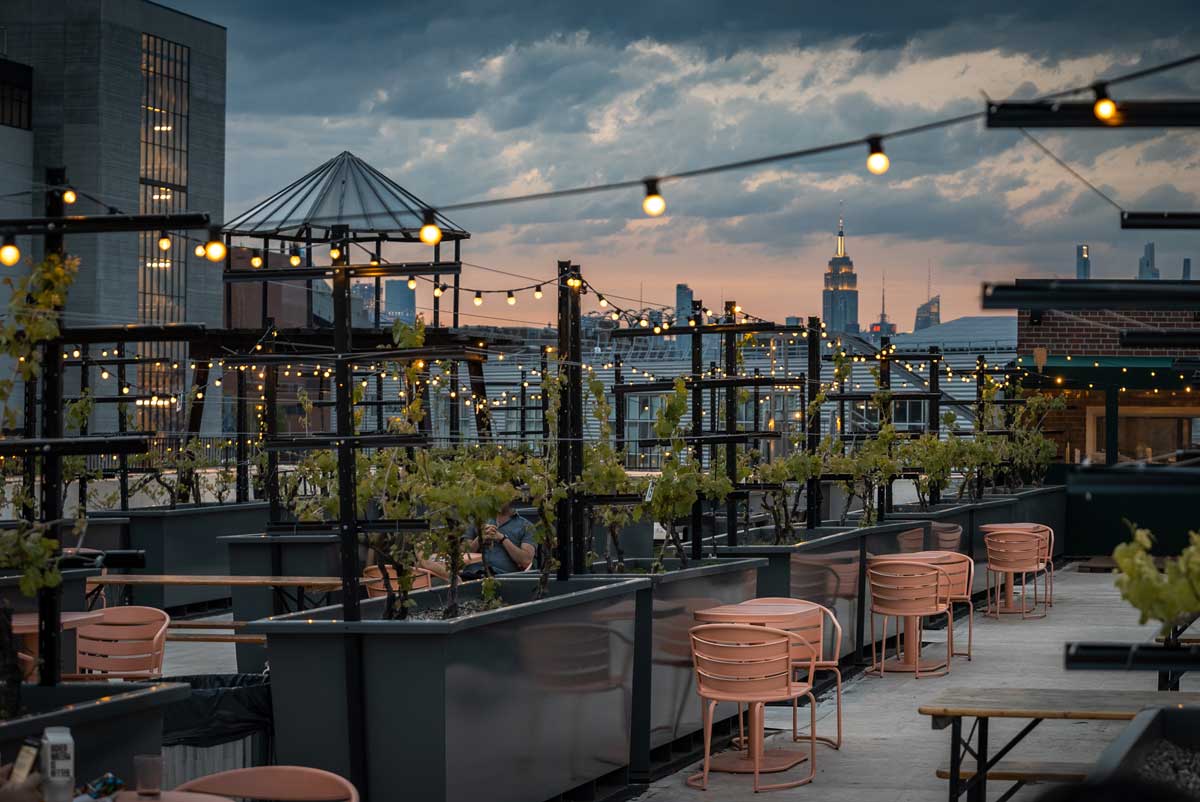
(813, 438)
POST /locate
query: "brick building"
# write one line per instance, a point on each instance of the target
(1147, 400)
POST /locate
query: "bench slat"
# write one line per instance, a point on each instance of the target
(189, 637)
(1028, 771)
(208, 624)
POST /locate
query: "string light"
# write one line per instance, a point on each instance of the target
(199, 250)
(438, 290)
(602, 301)
(430, 233)
(335, 252)
(1104, 108)
(294, 256)
(653, 204)
(616, 315)
(69, 196)
(104, 374)
(512, 299)
(10, 254)
(214, 249)
(164, 242)
(478, 298)
(256, 261)
(877, 161)
(412, 282)
(537, 291)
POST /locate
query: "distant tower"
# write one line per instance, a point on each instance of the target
(1187, 269)
(930, 312)
(1146, 269)
(1083, 262)
(683, 304)
(839, 300)
(883, 328)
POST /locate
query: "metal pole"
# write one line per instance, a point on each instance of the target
(884, 501)
(85, 381)
(122, 459)
(813, 386)
(618, 406)
(935, 407)
(697, 517)
(563, 461)
(437, 301)
(242, 485)
(1112, 429)
(979, 415)
(523, 399)
(575, 381)
(731, 417)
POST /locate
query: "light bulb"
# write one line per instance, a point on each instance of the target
(335, 252)
(877, 162)
(430, 233)
(164, 242)
(437, 291)
(256, 261)
(1104, 108)
(657, 329)
(412, 282)
(653, 204)
(294, 256)
(478, 298)
(104, 374)
(512, 299)
(644, 323)
(69, 196)
(125, 390)
(10, 254)
(537, 291)
(199, 250)
(214, 249)
(616, 315)
(603, 301)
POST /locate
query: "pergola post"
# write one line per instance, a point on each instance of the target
(1112, 420)
(813, 424)
(731, 417)
(697, 519)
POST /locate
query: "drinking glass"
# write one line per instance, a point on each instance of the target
(148, 770)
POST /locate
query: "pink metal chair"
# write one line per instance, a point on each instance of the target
(1013, 552)
(372, 580)
(750, 665)
(811, 627)
(1048, 557)
(282, 783)
(911, 540)
(127, 643)
(903, 589)
(947, 537)
(960, 570)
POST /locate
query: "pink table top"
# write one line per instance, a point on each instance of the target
(27, 623)
(754, 613)
(169, 796)
(932, 557)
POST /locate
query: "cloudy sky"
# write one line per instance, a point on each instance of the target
(465, 100)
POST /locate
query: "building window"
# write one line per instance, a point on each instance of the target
(16, 107)
(163, 179)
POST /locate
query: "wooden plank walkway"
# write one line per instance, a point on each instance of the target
(891, 753)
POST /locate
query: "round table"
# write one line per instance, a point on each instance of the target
(767, 615)
(169, 796)
(1007, 605)
(26, 625)
(910, 659)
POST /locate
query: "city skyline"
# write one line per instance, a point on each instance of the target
(570, 96)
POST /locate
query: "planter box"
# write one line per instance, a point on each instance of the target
(637, 539)
(251, 555)
(74, 599)
(185, 541)
(1123, 757)
(1101, 499)
(966, 515)
(110, 723)
(1044, 505)
(667, 727)
(524, 703)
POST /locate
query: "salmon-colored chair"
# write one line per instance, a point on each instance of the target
(811, 626)
(1013, 552)
(127, 643)
(1044, 531)
(948, 537)
(904, 589)
(282, 783)
(911, 540)
(960, 570)
(372, 580)
(751, 665)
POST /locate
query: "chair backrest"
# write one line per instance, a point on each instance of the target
(372, 580)
(811, 626)
(126, 642)
(736, 661)
(282, 783)
(1040, 529)
(906, 588)
(960, 570)
(1015, 550)
(911, 540)
(947, 537)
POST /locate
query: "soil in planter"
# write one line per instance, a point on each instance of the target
(1174, 765)
(465, 607)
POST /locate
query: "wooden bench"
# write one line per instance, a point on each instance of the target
(189, 637)
(208, 624)
(1027, 771)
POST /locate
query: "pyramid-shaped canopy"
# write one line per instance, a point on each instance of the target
(343, 191)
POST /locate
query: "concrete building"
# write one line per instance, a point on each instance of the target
(129, 97)
(399, 302)
(1146, 269)
(839, 299)
(1083, 262)
(929, 314)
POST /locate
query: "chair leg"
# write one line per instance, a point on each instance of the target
(950, 640)
(838, 685)
(883, 660)
(970, 628)
(812, 751)
(707, 709)
(874, 662)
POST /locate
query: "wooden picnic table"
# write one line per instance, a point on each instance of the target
(952, 705)
(26, 626)
(911, 654)
(318, 584)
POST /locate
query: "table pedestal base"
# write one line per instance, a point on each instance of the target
(773, 760)
(899, 665)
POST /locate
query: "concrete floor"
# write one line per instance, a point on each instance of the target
(890, 751)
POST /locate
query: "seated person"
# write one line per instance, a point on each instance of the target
(508, 547)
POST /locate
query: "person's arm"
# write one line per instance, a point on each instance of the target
(521, 554)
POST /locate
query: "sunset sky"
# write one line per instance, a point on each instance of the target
(464, 100)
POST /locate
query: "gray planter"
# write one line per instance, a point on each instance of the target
(637, 539)
(667, 727)
(1044, 505)
(256, 555)
(963, 514)
(74, 599)
(1123, 757)
(527, 702)
(185, 541)
(110, 723)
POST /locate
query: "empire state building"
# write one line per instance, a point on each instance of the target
(839, 300)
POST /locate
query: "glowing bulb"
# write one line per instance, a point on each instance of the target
(335, 253)
(256, 261)
(603, 301)
(70, 197)
(478, 298)
(437, 291)
(653, 204)
(125, 390)
(294, 256)
(537, 291)
(644, 323)
(412, 282)
(1104, 108)
(657, 329)
(104, 374)
(512, 299)
(164, 242)
(199, 250)
(214, 249)
(877, 162)
(616, 315)
(430, 233)
(10, 254)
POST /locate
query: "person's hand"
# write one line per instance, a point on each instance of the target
(490, 532)
(28, 791)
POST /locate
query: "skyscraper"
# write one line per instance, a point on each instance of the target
(399, 302)
(683, 304)
(1146, 269)
(839, 300)
(929, 314)
(1083, 262)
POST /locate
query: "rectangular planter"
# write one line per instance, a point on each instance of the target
(1123, 757)
(185, 541)
(523, 704)
(256, 555)
(1043, 505)
(966, 515)
(74, 599)
(1100, 500)
(637, 539)
(110, 723)
(666, 725)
